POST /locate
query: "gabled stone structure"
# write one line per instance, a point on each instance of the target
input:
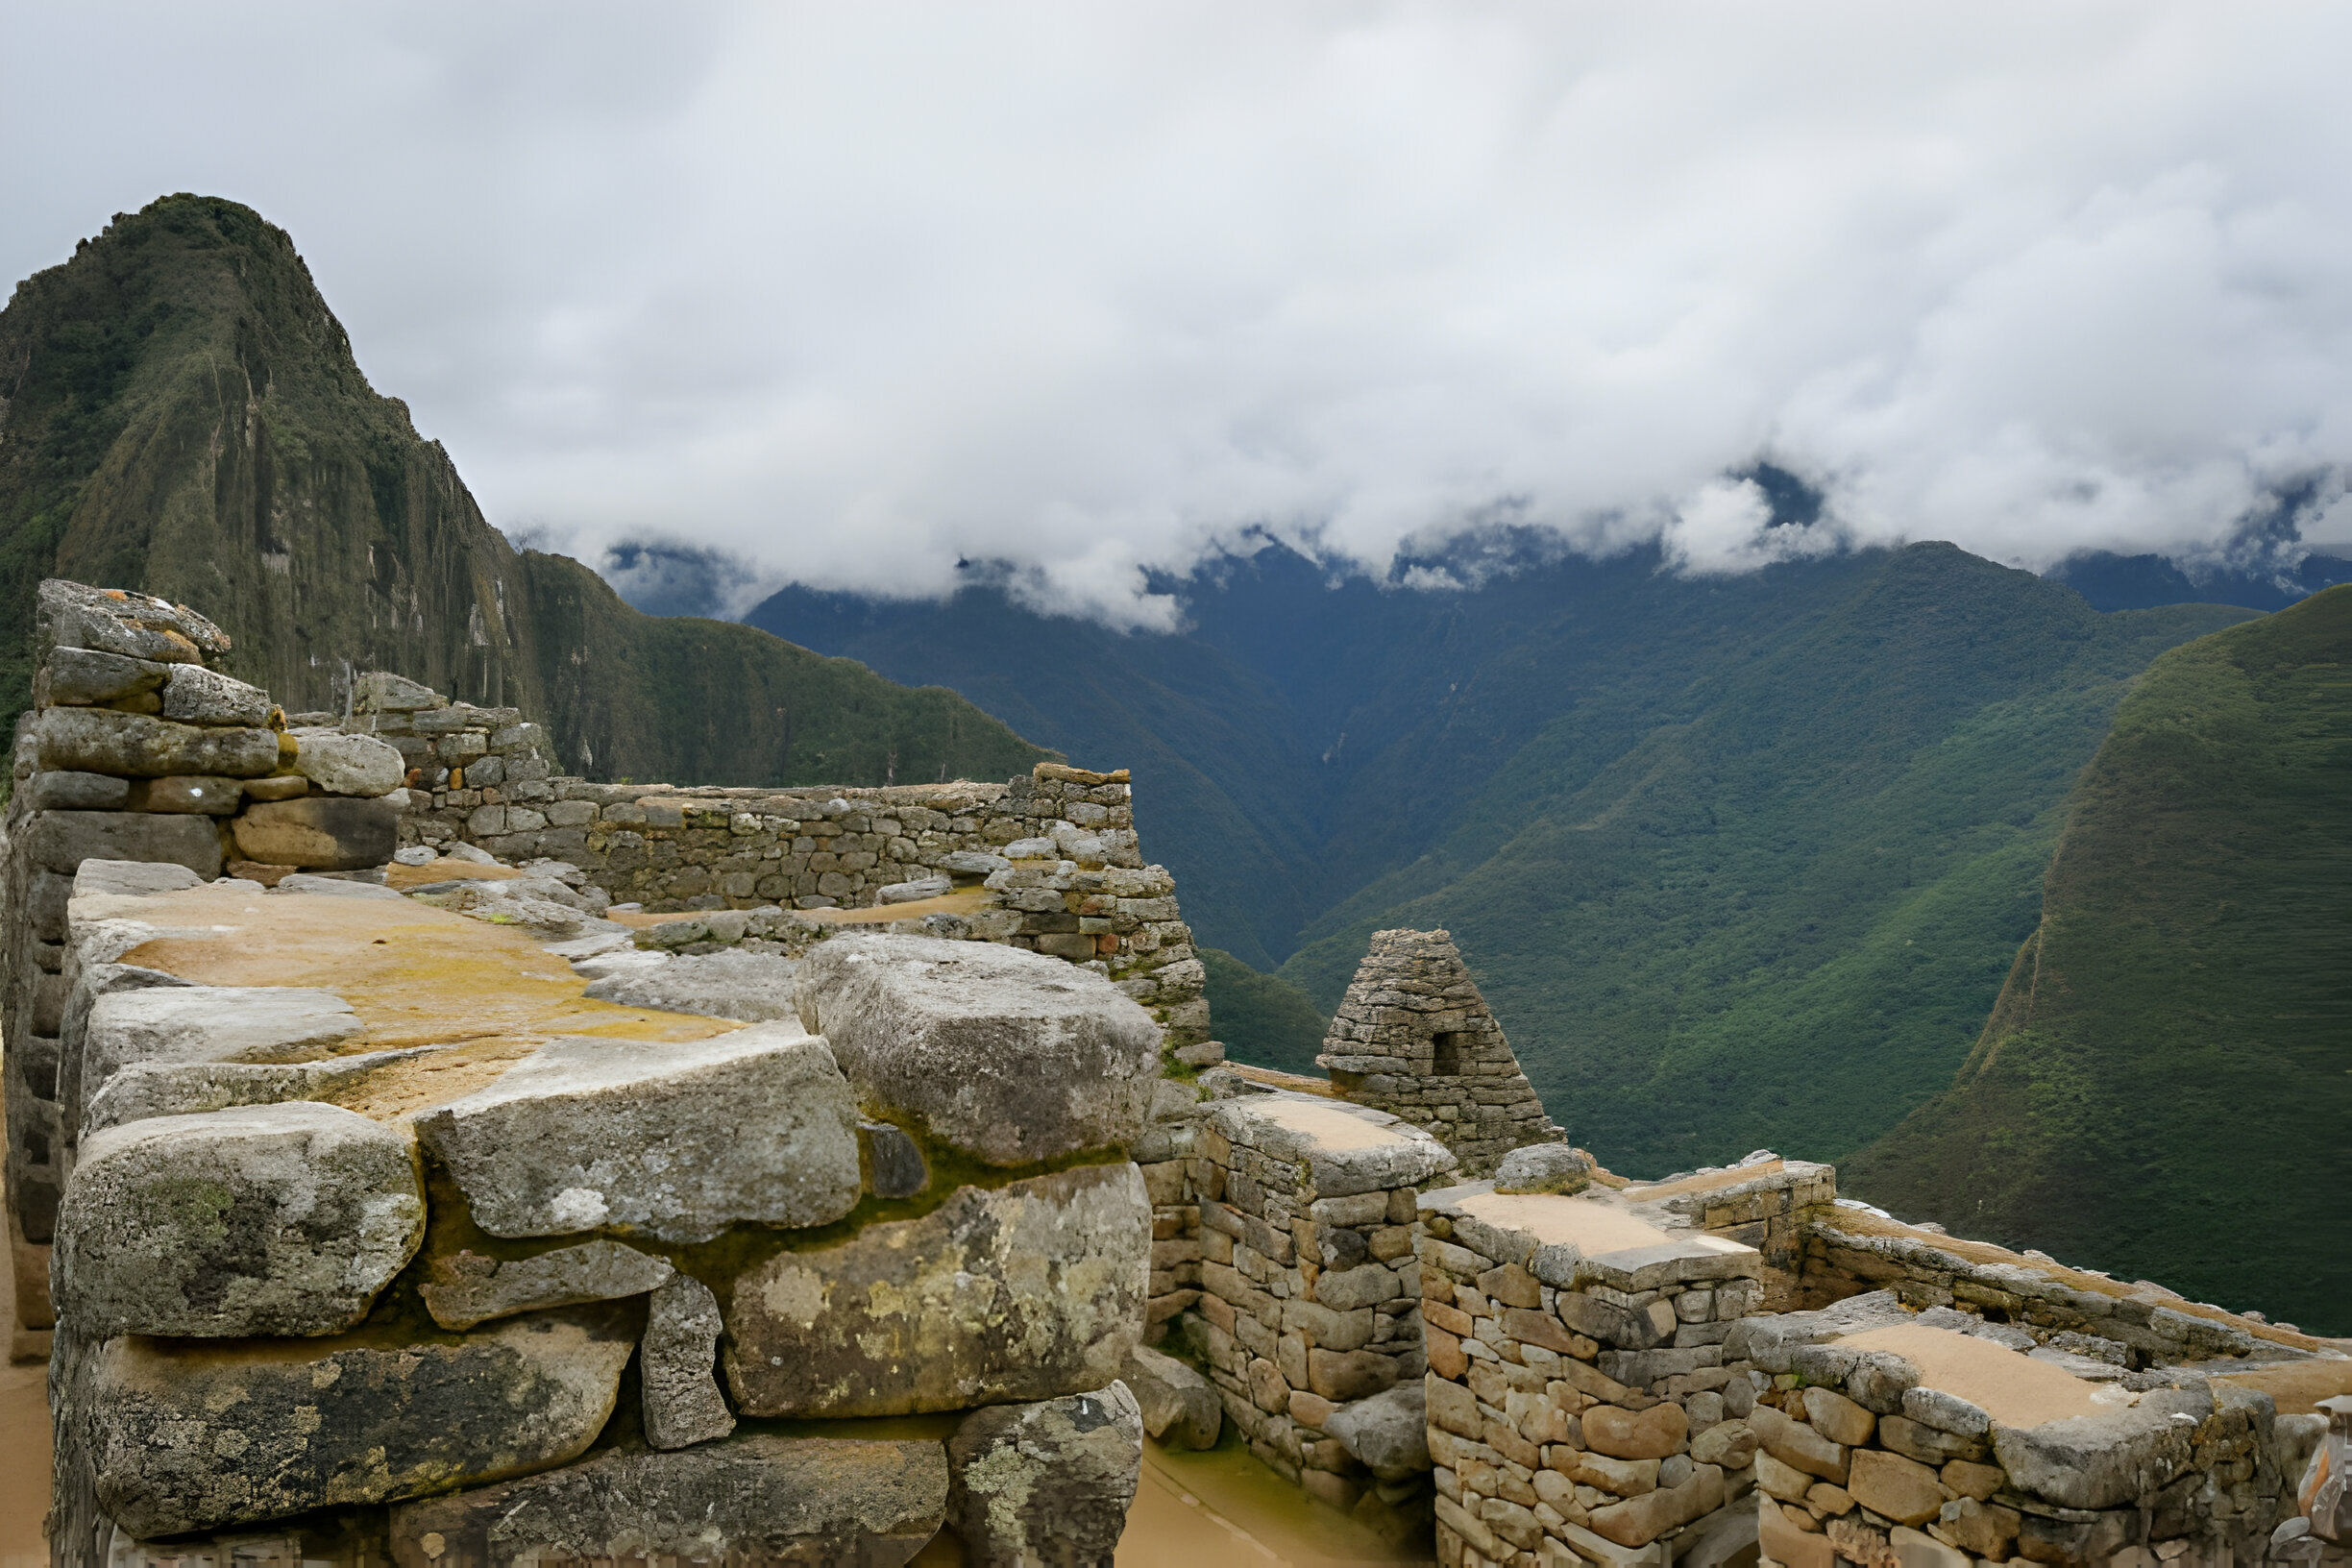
(1414, 1038)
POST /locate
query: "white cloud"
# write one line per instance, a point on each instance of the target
(855, 292)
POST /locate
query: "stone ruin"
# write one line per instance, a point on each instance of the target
(1414, 1037)
(499, 1168)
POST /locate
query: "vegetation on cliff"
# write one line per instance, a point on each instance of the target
(1737, 861)
(2165, 1086)
(179, 412)
(1262, 1019)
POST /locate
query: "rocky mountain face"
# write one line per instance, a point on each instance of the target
(181, 412)
(2165, 1084)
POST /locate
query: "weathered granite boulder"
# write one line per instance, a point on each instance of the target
(755, 987)
(1543, 1167)
(1046, 1484)
(1180, 1407)
(467, 1289)
(80, 677)
(2096, 1462)
(1388, 1434)
(60, 841)
(1025, 1291)
(1010, 1055)
(190, 795)
(135, 745)
(61, 791)
(275, 1219)
(675, 1359)
(209, 1024)
(678, 1140)
(185, 1088)
(186, 1436)
(118, 621)
(341, 764)
(322, 832)
(100, 878)
(194, 694)
(756, 1498)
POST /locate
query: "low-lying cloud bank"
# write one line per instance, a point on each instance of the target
(855, 294)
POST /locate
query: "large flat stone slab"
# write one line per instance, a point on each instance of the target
(756, 1498)
(209, 1024)
(186, 1436)
(1010, 1055)
(753, 987)
(677, 1140)
(322, 832)
(274, 1219)
(1347, 1148)
(1026, 1292)
(134, 746)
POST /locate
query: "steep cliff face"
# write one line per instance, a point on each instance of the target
(2165, 1086)
(181, 412)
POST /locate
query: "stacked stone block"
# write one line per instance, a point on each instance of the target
(1308, 1320)
(1056, 851)
(1580, 1407)
(1766, 1203)
(1414, 1037)
(139, 747)
(286, 1314)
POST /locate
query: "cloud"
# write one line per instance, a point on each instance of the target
(853, 294)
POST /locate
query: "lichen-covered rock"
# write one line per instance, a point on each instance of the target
(1387, 1433)
(675, 1361)
(678, 1140)
(187, 1436)
(756, 1498)
(755, 988)
(79, 677)
(1010, 1055)
(1025, 1291)
(468, 1288)
(209, 1024)
(275, 1219)
(136, 746)
(2096, 1462)
(1543, 1167)
(320, 832)
(1180, 1407)
(1046, 1484)
(185, 1088)
(341, 764)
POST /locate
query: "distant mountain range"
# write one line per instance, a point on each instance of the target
(181, 412)
(2165, 1084)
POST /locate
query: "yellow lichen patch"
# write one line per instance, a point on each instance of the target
(404, 877)
(965, 901)
(415, 975)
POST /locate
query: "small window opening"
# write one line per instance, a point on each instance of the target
(1445, 1060)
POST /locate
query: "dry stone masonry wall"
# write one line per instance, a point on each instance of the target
(436, 1256)
(1414, 1038)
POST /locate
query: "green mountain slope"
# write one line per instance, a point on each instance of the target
(181, 412)
(1772, 906)
(1262, 1019)
(2165, 1086)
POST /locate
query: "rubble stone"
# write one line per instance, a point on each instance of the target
(1046, 1483)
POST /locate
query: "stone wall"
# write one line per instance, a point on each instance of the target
(1604, 1389)
(1306, 1318)
(138, 748)
(1050, 862)
(1414, 1037)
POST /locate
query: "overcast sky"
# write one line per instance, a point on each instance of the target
(855, 291)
